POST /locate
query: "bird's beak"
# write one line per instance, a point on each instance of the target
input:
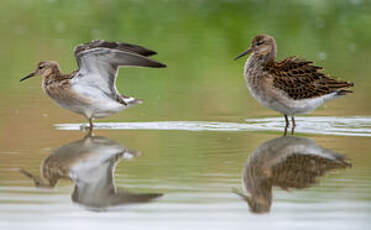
(28, 76)
(248, 51)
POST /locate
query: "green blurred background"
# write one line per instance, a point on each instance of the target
(196, 39)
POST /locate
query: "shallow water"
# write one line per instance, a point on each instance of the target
(197, 173)
(200, 153)
(343, 126)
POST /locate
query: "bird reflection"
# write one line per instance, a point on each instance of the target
(287, 162)
(90, 164)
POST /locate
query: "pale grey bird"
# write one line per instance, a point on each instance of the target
(91, 89)
(90, 163)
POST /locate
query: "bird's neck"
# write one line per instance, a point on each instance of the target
(253, 63)
(258, 61)
(266, 57)
(51, 78)
(271, 55)
(57, 76)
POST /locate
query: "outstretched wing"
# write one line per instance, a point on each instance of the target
(126, 47)
(99, 61)
(301, 80)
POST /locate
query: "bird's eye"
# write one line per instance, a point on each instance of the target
(259, 43)
(40, 67)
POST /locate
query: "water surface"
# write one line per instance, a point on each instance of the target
(179, 179)
(200, 152)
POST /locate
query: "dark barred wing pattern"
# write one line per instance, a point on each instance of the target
(302, 80)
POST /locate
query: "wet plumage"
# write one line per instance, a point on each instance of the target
(291, 86)
(91, 89)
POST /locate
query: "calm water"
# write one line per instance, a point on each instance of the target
(200, 153)
(117, 178)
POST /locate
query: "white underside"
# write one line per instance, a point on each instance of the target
(91, 102)
(280, 102)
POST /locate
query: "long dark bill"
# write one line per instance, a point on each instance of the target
(243, 54)
(28, 76)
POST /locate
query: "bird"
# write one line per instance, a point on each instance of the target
(91, 89)
(287, 162)
(90, 164)
(291, 86)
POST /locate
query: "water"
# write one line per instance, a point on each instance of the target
(195, 171)
(200, 153)
(344, 126)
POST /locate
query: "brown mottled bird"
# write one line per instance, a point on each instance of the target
(91, 90)
(291, 86)
(287, 162)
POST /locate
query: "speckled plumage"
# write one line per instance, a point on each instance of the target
(291, 86)
(302, 80)
(91, 90)
(289, 163)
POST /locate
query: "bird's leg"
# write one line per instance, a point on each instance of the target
(90, 125)
(293, 125)
(287, 124)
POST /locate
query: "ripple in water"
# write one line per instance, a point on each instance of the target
(343, 126)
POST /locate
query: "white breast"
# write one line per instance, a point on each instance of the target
(88, 101)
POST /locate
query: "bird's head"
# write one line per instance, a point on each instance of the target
(261, 45)
(44, 69)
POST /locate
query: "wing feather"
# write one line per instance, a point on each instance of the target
(98, 65)
(115, 45)
(300, 79)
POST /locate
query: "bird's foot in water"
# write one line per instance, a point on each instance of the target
(86, 128)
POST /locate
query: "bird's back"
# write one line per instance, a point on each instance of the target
(299, 79)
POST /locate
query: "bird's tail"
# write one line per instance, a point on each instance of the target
(343, 92)
(342, 88)
(129, 101)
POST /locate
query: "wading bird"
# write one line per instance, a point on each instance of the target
(291, 86)
(91, 90)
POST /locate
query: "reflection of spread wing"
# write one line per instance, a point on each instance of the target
(98, 62)
(125, 197)
(301, 80)
(301, 170)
